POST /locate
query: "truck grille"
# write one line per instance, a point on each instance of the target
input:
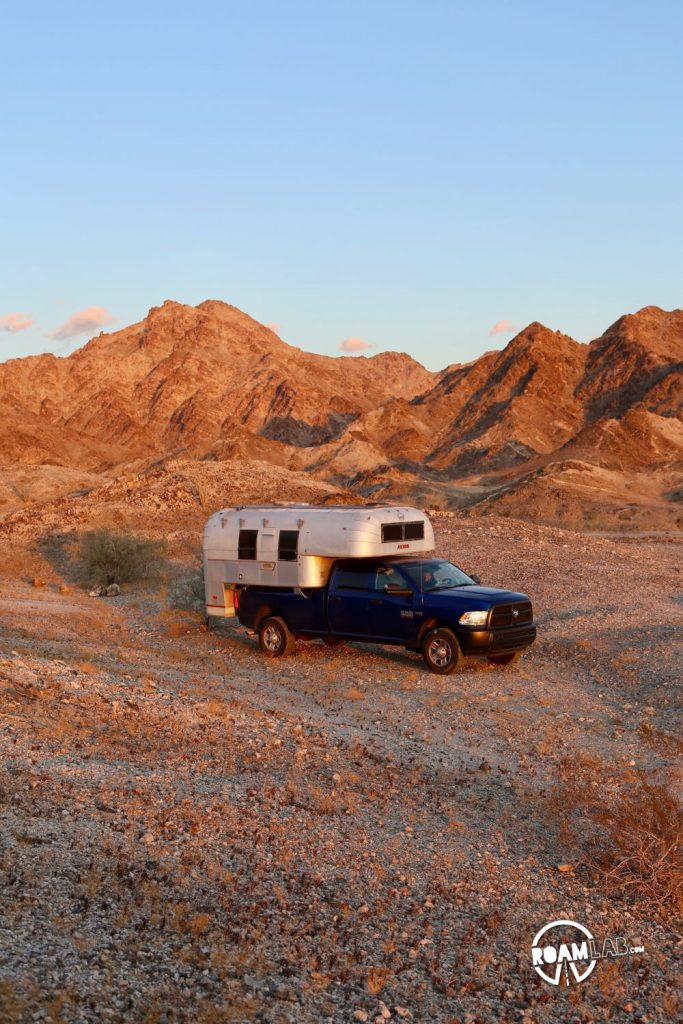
(511, 639)
(511, 614)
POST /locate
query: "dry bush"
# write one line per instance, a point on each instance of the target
(629, 830)
(377, 979)
(108, 557)
(352, 693)
(86, 668)
(664, 742)
(13, 1004)
(644, 826)
(199, 923)
(181, 655)
(187, 592)
(177, 629)
(313, 798)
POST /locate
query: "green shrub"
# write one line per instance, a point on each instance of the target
(108, 557)
(187, 592)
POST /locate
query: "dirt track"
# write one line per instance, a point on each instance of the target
(195, 833)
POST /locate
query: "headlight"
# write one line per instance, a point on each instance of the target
(473, 618)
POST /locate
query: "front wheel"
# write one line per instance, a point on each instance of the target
(441, 651)
(274, 637)
(504, 660)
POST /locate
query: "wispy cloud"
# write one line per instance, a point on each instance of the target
(502, 327)
(15, 322)
(354, 345)
(86, 321)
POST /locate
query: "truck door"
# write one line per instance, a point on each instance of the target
(347, 601)
(395, 611)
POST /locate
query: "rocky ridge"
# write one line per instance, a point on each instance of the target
(505, 431)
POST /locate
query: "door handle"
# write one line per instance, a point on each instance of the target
(375, 600)
(334, 598)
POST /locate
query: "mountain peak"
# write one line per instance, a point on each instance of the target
(657, 330)
(540, 340)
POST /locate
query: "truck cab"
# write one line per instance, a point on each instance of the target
(422, 604)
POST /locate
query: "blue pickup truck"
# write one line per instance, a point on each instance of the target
(422, 604)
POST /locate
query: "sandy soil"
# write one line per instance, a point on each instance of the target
(194, 833)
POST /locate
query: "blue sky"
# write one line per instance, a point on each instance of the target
(409, 174)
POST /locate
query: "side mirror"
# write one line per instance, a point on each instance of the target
(473, 576)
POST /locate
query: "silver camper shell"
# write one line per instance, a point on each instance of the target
(295, 545)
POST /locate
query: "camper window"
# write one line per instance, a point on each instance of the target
(246, 544)
(392, 532)
(287, 545)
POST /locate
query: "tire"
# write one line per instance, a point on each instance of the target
(441, 651)
(332, 641)
(274, 637)
(504, 660)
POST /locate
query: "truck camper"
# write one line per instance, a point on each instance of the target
(356, 572)
(296, 545)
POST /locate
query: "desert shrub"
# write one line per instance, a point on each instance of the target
(644, 826)
(107, 557)
(629, 832)
(187, 592)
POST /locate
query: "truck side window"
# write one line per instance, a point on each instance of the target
(351, 579)
(246, 544)
(387, 576)
(287, 545)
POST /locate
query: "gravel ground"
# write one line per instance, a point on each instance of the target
(191, 832)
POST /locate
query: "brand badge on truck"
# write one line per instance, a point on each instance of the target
(403, 546)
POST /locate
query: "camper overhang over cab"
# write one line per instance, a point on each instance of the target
(296, 545)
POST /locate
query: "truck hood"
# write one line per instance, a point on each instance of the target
(482, 596)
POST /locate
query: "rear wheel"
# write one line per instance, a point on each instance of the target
(274, 637)
(441, 651)
(504, 660)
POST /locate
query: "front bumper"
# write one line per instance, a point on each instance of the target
(497, 641)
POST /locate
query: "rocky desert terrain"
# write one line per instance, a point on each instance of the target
(548, 429)
(192, 832)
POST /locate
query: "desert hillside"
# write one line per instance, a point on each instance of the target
(547, 428)
(185, 379)
(195, 833)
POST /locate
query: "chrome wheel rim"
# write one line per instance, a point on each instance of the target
(440, 653)
(271, 638)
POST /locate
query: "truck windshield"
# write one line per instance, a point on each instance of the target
(437, 575)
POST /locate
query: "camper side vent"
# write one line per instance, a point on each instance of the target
(393, 532)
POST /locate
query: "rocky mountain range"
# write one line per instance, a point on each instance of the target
(547, 428)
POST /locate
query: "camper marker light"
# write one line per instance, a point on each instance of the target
(473, 618)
